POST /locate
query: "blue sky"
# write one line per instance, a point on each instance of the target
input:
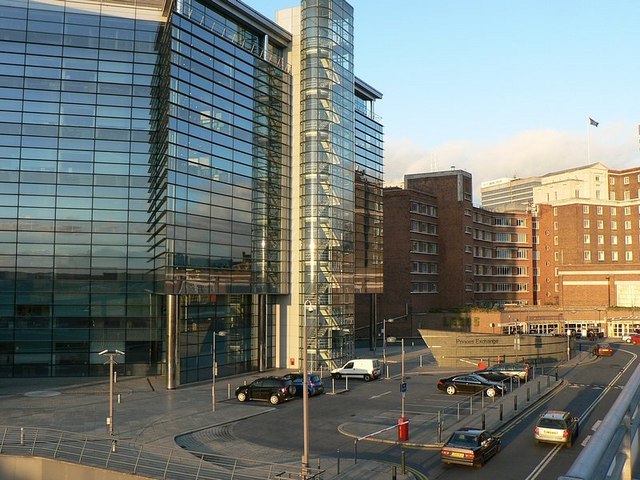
(497, 88)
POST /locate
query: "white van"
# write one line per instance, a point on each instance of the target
(367, 368)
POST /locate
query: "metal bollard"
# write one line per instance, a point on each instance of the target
(119, 399)
(501, 409)
(528, 395)
(440, 432)
(538, 387)
(515, 403)
(338, 463)
(403, 462)
(484, 423)
(22, 436)
(394, 474)
(228, 391)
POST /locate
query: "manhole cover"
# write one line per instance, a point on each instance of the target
(42, 393)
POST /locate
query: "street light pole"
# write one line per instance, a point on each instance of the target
(384, 344)
(111, 354)
(308, 307)
(214, 369)
(403, 379)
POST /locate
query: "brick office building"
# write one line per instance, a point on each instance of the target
(441, 252)
(574, 250)
(591, 236)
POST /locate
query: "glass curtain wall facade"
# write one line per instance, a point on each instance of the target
(368, 204)
(327, 177)
(146, 187)
(144, 183)
(221, 185)
(75, 118)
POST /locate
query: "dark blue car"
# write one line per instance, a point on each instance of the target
(315, 383)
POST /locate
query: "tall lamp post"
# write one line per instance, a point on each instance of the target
(111, 354)
(384, 339)
(308, 307)
(214, 368)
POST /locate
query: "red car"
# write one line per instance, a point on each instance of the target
(635, 339)
(603, 350)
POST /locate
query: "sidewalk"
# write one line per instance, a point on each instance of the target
(183, 419)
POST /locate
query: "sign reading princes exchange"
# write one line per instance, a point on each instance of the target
(456, 349)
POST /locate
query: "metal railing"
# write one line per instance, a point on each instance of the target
(126, 457)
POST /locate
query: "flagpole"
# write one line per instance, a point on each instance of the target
(588, 140)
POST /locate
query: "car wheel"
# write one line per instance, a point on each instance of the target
(451, 389)
(367, 378)
(491, 392)
(337, 376)
(274, 399)
(242, 396)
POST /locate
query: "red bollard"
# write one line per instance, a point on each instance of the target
(403, 429)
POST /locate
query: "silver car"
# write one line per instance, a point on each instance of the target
(557, 426)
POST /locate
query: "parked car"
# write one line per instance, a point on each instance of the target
(557, 426)
(635, 339)
(272, 389)
(626, 338)
(470, 446)
(603, 350)
(316, 387)
(470, 383)
(492, 375)
(521, 370)
(366, 368)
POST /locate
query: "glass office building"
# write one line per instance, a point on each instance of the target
(149, 174)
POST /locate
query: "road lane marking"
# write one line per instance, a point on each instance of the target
(545, 461)
(586, 440)
(583, 418)
(596, 425)
(381, 395)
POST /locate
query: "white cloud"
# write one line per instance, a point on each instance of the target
(525, 154)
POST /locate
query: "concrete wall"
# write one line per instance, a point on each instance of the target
(14, 467)
(468, 350)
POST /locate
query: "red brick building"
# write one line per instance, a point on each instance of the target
(575, 247)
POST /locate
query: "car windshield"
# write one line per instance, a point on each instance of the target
(463, 440)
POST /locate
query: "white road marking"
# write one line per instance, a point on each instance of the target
(596, 425)
(381, 395)
(541, 466)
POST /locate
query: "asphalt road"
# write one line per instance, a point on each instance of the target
(589, 391)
